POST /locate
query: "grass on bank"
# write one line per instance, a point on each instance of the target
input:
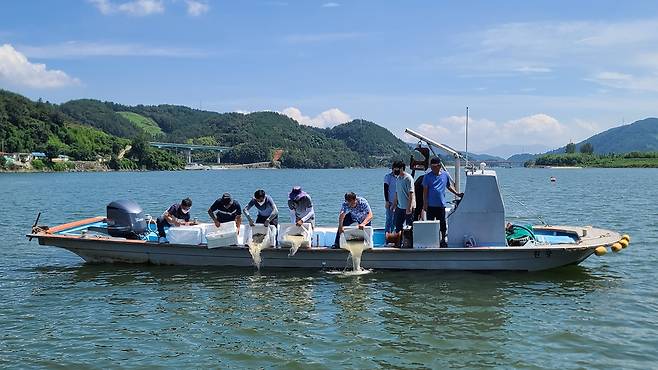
(146, 124)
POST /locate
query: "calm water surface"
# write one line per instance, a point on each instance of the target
(56, 312)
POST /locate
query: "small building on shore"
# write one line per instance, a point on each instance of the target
(37, 155)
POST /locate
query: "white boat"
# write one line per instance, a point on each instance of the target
(476, 241)
(106, 249)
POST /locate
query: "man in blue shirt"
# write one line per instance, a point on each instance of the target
(354, 209)
(435, 184)
(389, 194)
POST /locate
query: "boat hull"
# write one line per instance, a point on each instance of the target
(477, 259)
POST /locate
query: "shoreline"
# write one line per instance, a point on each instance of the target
(240, 167)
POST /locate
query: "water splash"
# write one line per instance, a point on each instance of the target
(356, 248)
(257, 243)
(295, 241)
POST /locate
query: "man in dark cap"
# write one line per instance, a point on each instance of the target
(435, 184)
(226, 209)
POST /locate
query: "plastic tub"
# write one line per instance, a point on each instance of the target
(306, 230)
(224, 236)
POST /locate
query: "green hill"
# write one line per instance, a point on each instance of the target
(100, 115)
(521, 158)
(374, 144)
(253, 137)
(639, 136)
(27, 126)
(633, 145)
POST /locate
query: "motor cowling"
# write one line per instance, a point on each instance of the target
(125, 219)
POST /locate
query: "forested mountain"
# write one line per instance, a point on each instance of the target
(253, 137)
(88, 129)
(639, 136)
(27, 126)
(100, 115)
(374, 144)
(521, 158)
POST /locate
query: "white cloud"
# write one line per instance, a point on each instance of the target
(142, 7)
(529, 69)
(556, 39)
(535, 130)
(322, 37)
(587, 126)
(16, 69)
(104, 6)
(627, 81)
(196, 8)
(136, 7)
(327, 118)
(330, 5)
(76, 49)
(584, 48)
(537, 124)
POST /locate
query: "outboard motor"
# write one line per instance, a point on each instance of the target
(125, 219)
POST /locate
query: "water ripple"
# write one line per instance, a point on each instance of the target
(58, 312)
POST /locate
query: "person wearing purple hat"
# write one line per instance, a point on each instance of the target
(301, 207)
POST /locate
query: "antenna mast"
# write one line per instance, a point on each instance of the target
(466, 137)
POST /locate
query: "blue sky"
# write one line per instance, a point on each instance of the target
(535, 74)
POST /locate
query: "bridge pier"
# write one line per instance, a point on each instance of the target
(188, 155)
(219, 157)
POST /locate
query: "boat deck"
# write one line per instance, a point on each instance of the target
(558, 236)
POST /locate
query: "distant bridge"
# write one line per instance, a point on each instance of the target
(188, 148)
(501, 163)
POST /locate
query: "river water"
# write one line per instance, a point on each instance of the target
(56, 311)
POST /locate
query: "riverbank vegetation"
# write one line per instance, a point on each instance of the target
(626, 160)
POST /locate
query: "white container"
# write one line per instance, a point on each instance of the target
(226, 235)
(192, 235)
(306, 230)
(353, 232)
(269, 231)
(323, 237)
(427, 234)
(208, 228)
